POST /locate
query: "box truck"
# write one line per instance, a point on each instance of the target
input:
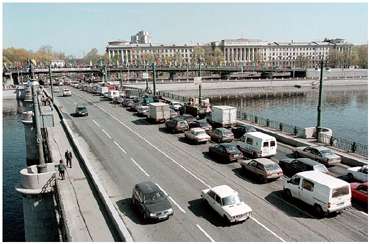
(158, 112)
(224, 116)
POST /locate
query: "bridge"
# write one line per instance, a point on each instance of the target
(116, 149)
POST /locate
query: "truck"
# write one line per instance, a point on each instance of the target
(222, 116)
(101, 90)
(158, 112)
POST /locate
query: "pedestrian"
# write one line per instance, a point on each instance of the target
(70, 158)
(61, 168)
(66, 156)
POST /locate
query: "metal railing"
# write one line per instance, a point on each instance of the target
(338, 142)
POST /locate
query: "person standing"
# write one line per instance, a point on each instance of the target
(61, 168)
(66, 156)
(70, 159)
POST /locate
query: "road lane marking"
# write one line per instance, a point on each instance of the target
(161, 188)
(155, 147)
(119, 146)
(205, 233)
(97, 124)
(273, 233)
(133, 160)
(106, 133)
(177, 205)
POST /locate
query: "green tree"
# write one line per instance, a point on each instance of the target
(198, 54)
(218, 56)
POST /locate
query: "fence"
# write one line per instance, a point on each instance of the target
(338, 142)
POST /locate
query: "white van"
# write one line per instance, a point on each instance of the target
(257, 144)
(324, 192)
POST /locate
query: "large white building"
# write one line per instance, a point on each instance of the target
(235, 51)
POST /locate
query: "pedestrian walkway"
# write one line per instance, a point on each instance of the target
(82, 213)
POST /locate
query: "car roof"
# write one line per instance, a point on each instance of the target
(227, 144)
(264, 161)
(222, 129)
(147, 187)
(323, 178)
(308, 161)
(197, 129)
(223, 191)
(320, 148)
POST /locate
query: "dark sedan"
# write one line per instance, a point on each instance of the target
(221, 135)
(225, 152)
(151, 202)
(240, 130)
(291, 166)
(81, 111)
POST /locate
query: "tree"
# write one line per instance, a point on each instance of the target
(92, 56)
(178, 58)
(218, 56)
(301, 61)
(198, 54)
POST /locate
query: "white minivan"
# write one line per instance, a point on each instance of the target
(324, 192)
(257, 144)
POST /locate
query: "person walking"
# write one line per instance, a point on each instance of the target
(70, 158)
(61, 168)
(66, 156)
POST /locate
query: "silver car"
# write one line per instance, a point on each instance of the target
(318, 153)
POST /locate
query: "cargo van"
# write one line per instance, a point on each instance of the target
(257, 144)
(324, 192)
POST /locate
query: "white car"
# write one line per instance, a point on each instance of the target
(175, 106)
(198, 135)
(358, 173)
(225, 201)
(67, 92)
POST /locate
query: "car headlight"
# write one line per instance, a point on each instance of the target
(170, 211)
(152, 214)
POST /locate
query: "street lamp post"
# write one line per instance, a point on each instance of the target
(318, 125)
(154, 77)
(51, 84)
(200, 86)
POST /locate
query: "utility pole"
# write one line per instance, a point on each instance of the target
(154, 77)
(146, 78)
(318, 125)
(51, 84)
(200, 87)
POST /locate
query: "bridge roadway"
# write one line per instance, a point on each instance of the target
(131, 150)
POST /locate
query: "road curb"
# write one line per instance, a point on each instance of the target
(111, 210)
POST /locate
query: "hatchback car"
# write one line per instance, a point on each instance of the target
(318, 153)
(81, 111)
(226, 202)
(221, 135)
(225, 152)
(177, 125)
(151, 202)
(240, 130)
(197, 135)
(358, 173)
(66, 92)
(291, 166)
(265, 169)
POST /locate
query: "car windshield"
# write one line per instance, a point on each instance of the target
(231, 148)
(342, 191)
(326, 152)
(272, 167)
(81, 109)
(153, 196)
(203, 124)
(198, 133)
(228, 133)
(230, 200)
(321, 168)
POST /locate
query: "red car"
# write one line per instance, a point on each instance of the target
(359, 192)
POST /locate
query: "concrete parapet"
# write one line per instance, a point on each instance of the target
(36, 183)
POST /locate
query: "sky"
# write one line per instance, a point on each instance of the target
(76, 28)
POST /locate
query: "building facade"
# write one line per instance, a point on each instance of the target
(246, 52)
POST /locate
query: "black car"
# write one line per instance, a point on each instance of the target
(151, 202)
(201, 124)
(291, 166)
(225, 152)
(177, 125)
(81, 111)
(188, 117)
(240, 130)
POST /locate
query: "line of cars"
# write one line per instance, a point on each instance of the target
(322, 191)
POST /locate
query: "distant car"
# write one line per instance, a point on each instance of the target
(291, 166)
(197, 135)
(142, 110)
(66, 92)
(359, 192)
(358, 173)
(225, 201)
(225, 152)
(151, 202)
(173, 113)
(201, 124)
(240, 130)
(177, 125)
(188, 117)
(81, 111)
(318, 153)
(221, 135)
(176, 106)
(264, 168)
(56, 89)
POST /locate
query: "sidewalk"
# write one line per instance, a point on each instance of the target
(82, 214)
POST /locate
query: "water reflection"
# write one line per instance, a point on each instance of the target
(344, 110)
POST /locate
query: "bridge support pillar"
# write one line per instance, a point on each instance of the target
(30, 135)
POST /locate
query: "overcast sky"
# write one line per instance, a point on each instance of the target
(75, 28)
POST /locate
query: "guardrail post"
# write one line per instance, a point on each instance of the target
(256, 119)
(281, 126)
(267, 122)
(353, 147)
(295, 130)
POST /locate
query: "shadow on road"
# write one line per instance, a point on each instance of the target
(140, 122)
(215, 159)
(200, 208)
(247, 176)
(126, 208)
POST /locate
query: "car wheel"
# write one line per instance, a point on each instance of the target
(226, 220)
(288, 194)
(318, 210)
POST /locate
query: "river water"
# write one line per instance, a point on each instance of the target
(14, 159)
(344, 110)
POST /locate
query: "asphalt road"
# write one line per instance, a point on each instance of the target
(131, 150)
